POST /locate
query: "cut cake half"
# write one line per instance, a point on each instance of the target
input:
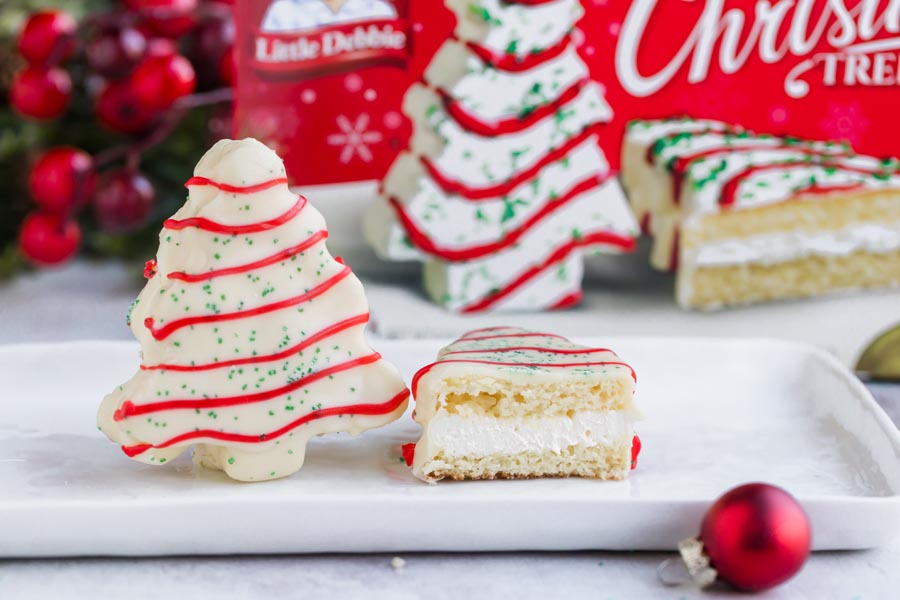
(509, 403)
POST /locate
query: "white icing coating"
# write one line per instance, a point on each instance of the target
(875, 238)
(510, 28)
(312, 315)
(458, 436)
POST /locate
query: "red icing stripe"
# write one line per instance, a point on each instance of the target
(598, 238)
(313, 339)
(422, 241)
(236, 189)
(508, 335)
(535, 349)
(166, 330)
(426, 369)
(214, 227)
(512, 63)
(731, 187)
(409, 453)
(130, 409)
(353, 409)
(484, 329)
(650, 156)
(567, 301)
(473, 124)
(683, 163)
(635, 451)
(283, 255)
(824, 190)
(452, 186)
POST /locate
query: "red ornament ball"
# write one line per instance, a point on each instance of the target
(119, 109)
(40, 93)
(756, 536)
(166, 18)
(48, 37)
(159, 81)
(114, 51)
(124, 201)
(62, 180)
(47, 239)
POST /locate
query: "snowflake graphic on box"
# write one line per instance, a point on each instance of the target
(845, 121)
(354, 138)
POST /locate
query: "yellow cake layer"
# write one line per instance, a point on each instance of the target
(819, 214)
(595, 462)
(712, 287)
(481, 396)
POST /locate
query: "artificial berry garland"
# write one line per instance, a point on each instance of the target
(103, 107)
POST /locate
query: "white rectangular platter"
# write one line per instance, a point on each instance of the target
(718, 414)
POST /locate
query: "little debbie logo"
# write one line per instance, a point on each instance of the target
(321, 36)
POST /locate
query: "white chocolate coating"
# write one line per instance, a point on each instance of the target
(255, 338)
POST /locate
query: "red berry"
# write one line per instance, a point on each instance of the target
(227, 67)
(161, 80)
(168, 18)
(48, 37)
(124, 201)
(119, 109)
(161, 47)
(40, 93)
(62, 180)
(113, 52)
(48, 240)
(214, 35)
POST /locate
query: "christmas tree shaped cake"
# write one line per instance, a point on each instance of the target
(252, 335)
(504, 185)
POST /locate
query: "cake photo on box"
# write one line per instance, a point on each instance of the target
(506, 402)
(746, 217)
(252, 335)
(503, 187)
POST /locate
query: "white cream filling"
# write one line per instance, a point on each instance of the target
(456, 435)
(876, 238)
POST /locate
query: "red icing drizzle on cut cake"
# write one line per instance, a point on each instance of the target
(496, 346)
(409, 453)
(682, 163)
(635, 451)
(730, 188)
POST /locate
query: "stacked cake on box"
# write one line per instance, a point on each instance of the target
(747, 217)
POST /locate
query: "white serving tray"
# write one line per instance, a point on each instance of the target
(719, 413)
